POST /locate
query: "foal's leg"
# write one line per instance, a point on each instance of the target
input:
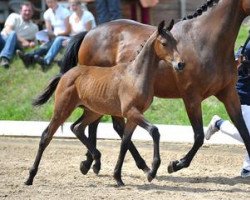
(118, 125)
(129, 128)
(78, 129)
(85, 165)
(137, 117)
(60, 115)
(193, 107)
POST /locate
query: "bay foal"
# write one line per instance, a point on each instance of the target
(125, 90)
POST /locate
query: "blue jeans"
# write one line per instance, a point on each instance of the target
(107, 10)
(51, 49)
(54, 49)
(8, 45)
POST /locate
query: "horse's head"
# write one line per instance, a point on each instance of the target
(165, 46)
(245, 4)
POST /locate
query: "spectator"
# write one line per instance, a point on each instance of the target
(107, 10)
(18, 32)
(80, 20)
(57, 24)
(144, 6)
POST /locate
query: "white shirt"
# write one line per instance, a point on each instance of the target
(25, 29)
(79, 26)
(57, 18)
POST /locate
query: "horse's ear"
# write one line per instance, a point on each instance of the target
(170, 26)
(161, 26)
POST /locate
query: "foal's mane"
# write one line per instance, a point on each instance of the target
(202, 9)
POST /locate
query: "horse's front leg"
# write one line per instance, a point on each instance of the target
(232, 104)
(193, 108)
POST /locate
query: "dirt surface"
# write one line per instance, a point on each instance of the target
(213, 174)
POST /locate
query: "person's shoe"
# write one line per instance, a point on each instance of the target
(5, 62)
(245, 173)
(211, 127)
(44, 65)
(27, 59)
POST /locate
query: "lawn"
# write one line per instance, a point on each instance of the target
(20, 85)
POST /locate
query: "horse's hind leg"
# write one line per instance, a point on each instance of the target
(232, 104)
(119, 125)
(78, 129)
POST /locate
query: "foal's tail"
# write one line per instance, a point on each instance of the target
(70, 57)
(48, 91)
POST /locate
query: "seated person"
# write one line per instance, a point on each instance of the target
(57, 24)
(18, 32)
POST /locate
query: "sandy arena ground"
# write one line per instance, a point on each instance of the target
(213, 174)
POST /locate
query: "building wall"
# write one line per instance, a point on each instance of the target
(172, 9)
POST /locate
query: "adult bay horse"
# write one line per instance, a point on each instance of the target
(205, 41)
(125, 90)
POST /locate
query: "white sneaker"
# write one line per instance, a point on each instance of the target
(245, 173)
(211, 127)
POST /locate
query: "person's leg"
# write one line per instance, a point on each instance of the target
(102, 11)
(10, 46)
(114, 7)
(54, 50)
(2, 43)
(246, 164)
(145, 15)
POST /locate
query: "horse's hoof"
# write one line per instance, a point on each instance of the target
(119, 183)
(96, 169)
(28, 182)
(171, 166)
(84, 167)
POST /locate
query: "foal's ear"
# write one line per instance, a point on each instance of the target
(170, 26)
(161, 27)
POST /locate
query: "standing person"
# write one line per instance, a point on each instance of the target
(107, 10)
(226, 127)
(57, 24)
(19, 32)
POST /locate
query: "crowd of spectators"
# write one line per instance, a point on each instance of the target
(22, 36)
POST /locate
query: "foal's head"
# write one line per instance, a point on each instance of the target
(165, 46)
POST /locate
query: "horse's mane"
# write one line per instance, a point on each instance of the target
(202, 9)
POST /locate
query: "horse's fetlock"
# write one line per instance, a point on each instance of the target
(97, 155)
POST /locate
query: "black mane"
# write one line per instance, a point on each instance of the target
(201, 9)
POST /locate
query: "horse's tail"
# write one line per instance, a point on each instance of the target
(48, 91)
(70, 57)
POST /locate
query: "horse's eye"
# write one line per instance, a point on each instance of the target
(164, 44)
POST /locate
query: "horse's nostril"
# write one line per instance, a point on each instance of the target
(181, 65)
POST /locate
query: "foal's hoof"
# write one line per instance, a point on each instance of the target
(96, 168)
(150, 176)
(84, 167)
(119, 183)
(28, 182)
(172, 166)
(146, 170)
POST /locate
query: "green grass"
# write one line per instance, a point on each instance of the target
(18, 86)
